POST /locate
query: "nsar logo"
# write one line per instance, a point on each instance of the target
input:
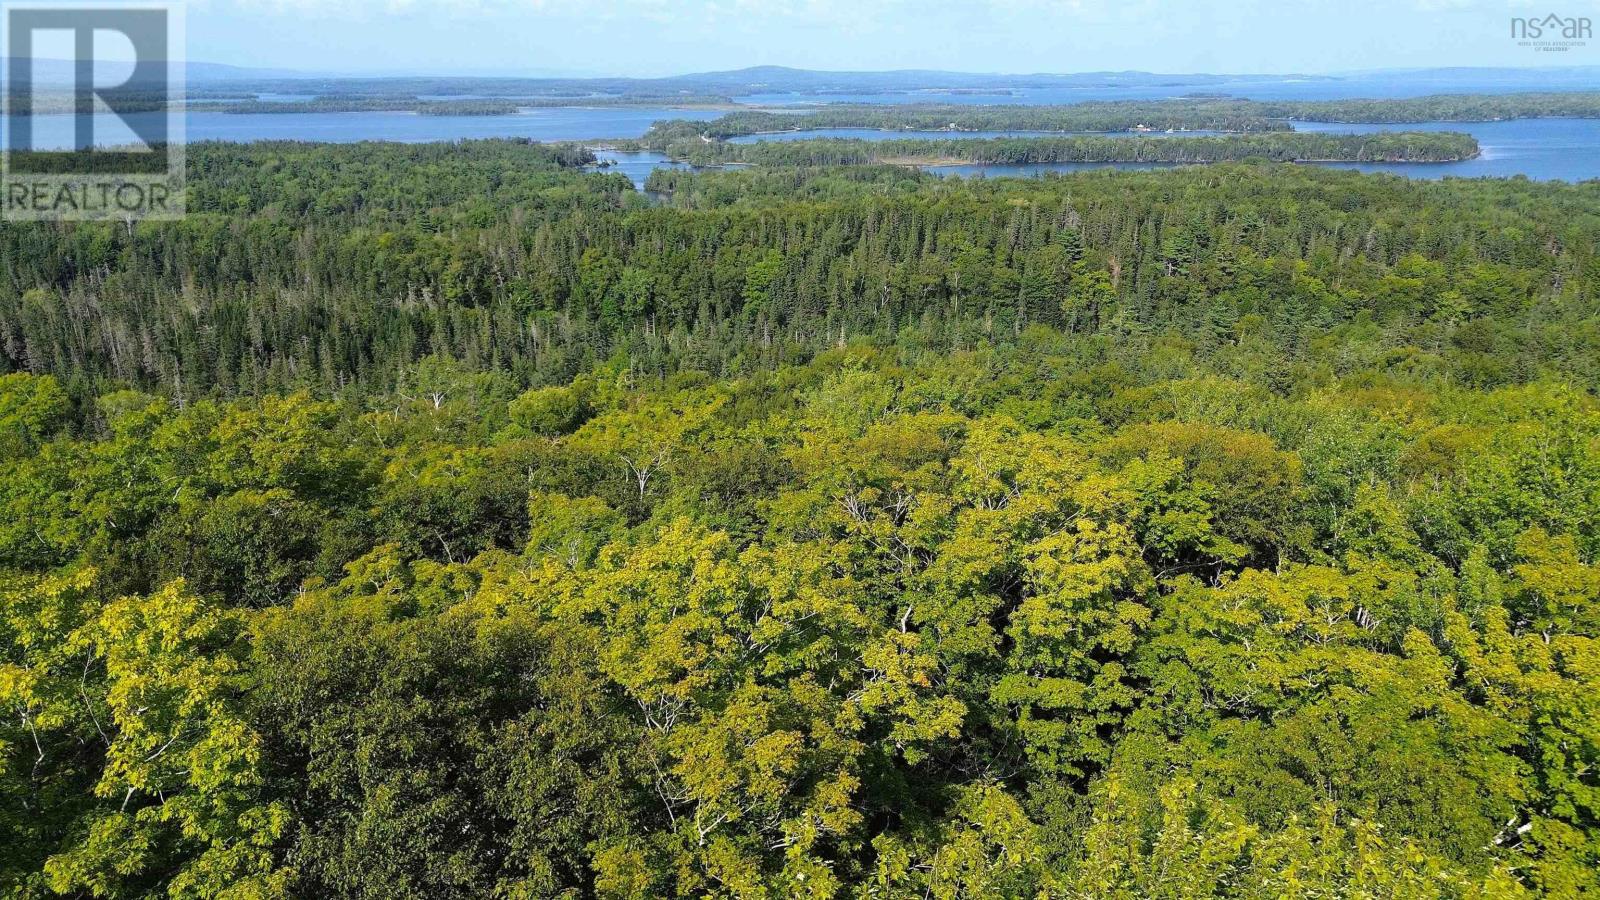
(1553, 33)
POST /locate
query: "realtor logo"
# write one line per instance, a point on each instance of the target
(93, 111)
(1553, 33)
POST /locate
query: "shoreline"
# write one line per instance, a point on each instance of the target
(946, 162)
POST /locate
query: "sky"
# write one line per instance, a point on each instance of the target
(664, 37)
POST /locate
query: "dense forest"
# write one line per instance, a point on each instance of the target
(1190, 113)
(340, 104)
(1443, 108)
(330, 268)
(1177, 115)
(756, 80)
(1200, 113)
(466, 106)
(452, 521)
(1389, 146)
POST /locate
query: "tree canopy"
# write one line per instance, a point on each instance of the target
(448, 521)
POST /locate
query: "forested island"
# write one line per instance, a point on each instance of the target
(1184, 115)
(340, 104)
(1195, 113)
(735, 83)
(448, 521)
(51, 100)
(1442, 108)
(476, 106)
(1417, 147)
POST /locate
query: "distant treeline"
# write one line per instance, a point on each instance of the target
(1440, 108)
(672, 100)
(56, 102)
(1132, 116)
(764, 80)
(1280, 147)
(333, 267)
(447, 522)
(474, 106)
(1200, 113)
(1194, 113)
(336, 104)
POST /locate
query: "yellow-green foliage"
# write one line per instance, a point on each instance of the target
(809, 635)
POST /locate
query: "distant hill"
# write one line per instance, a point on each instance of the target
(735, 83)
(210, 71)
(782, 79)
(58, 72)
(785, 80)
(218, 78)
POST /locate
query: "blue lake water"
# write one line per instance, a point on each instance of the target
(1374, 85)
(546, 124)
(1541, 149)
(637, 166)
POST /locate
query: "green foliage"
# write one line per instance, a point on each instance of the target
(30, 410)
(1197, 534)
(1407, 146)
(338, 268)
(176, 798)
(1184, 114)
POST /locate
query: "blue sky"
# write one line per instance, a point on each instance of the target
(657, 37)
